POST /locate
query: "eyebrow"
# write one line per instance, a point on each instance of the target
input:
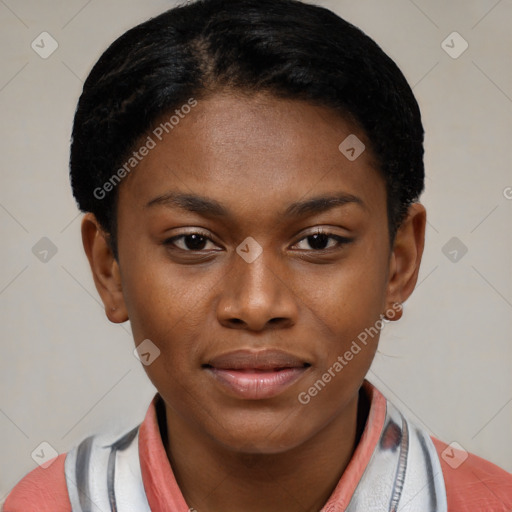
(212, 208)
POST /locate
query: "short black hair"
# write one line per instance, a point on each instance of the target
(287, 48)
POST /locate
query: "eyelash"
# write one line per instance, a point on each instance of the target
(170, 242)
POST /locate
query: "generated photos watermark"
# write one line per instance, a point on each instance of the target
(150, 143)
(343, 360)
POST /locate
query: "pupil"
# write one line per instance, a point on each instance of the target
(195, 242)
(318, 241)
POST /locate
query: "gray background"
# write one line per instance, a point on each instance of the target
(66, 372)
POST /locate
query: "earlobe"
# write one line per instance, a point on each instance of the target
(105, 269)
(406, 258)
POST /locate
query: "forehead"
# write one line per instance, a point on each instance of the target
(250, 151)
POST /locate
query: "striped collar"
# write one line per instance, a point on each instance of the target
(394, 468)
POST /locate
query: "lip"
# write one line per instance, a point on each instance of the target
(256, 375)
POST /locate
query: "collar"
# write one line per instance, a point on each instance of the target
(162, 489)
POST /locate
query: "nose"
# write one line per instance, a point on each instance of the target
(257, 296)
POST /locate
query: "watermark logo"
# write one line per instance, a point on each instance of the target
(44, 455)
(249, 249)
(44, 45)
(146, 352)
(454, 249)
(150, 143)
(352, 147)
(344, 359)
(454, 45)
(454, 455)
(44, 250)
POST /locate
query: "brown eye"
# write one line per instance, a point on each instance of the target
(319, 241)
(189, 242)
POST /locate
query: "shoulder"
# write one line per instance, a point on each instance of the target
(41, 490)
(46, 490)
(473, 483)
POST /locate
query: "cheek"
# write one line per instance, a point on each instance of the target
(354, 295)
(349, 307)
(160, 311)
(169, 308)
(156, 296)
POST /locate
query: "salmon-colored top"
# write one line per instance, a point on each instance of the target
(473, 486)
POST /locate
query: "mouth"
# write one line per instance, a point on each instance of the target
(256, 375)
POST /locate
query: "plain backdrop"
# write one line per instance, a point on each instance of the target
(66, 372)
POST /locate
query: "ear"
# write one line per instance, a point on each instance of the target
(105, 269)
(405, 260)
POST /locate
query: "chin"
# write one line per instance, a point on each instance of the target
(261, 436)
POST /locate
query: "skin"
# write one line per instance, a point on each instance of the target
(256, 155)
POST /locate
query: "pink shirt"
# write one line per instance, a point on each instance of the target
(476, 485)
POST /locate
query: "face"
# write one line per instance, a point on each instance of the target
(249, 284)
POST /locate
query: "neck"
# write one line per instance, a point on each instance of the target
(213, 478)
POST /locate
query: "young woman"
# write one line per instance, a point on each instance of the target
(250, 172)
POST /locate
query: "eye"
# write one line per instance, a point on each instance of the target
(319, 241)
(189, 242)
(197, 241)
